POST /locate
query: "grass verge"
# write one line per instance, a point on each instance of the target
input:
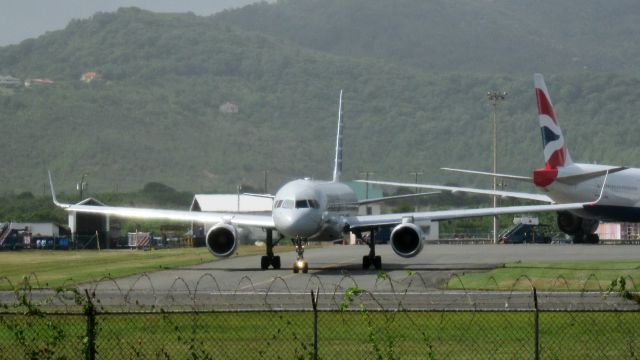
(552, 276)
(51, 269)
(349, 335)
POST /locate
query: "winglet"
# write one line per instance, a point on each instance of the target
(337, 170)
(604, 183)
(53, 194)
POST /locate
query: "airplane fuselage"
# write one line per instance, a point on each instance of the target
(312, 209)
(620, 199)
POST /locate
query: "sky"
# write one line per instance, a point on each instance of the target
(23, 19)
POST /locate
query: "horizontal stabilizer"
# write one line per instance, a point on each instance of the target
(396, 197)
(503, 176)
(578, 178)
(268, 196)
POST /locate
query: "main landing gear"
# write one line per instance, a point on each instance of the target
(372, 258)
(270, 259)
(300, 264)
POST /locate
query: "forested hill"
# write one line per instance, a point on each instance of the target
(153, 111)
(480, 36)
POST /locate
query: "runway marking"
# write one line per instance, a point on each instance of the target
(285, 277)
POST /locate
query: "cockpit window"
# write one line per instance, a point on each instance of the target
(313, 204)
(287, 204)
(300, 204)
(278, 204)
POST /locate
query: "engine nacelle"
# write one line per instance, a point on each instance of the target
(572, 224)
(569, 223)
(222, 240)
(406, 240)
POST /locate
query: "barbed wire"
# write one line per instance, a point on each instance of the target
(415, 291)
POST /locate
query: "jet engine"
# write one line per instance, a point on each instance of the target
(583, 230)
(406, 240)
(222, 240)
(572, 224)
(569, 223)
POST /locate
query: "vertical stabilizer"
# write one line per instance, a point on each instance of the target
(555, 149)
(337, 169)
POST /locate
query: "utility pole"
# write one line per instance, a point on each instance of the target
(494, 98)
(416, 174)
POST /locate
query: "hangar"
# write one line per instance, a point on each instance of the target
(89, 231)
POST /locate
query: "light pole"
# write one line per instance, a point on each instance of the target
(366, 174)
(82, 186)
(416, 174)
(494, 98)
(266, 174)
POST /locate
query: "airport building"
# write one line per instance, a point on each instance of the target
(24, 235)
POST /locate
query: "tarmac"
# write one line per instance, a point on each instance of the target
(419, 283)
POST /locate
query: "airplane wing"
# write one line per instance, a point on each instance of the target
(567, 179)
(264, 221)
(454, 189)
(368, 221)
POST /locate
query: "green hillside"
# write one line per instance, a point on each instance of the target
(480, 36)
(153, 113)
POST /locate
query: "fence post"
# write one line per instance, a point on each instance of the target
(536, 329)
(314, 304)
(90, 311)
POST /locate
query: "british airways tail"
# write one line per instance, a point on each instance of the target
(555, 149)
(553, 145)
(337, 169)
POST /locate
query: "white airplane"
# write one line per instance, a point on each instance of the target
(563, 181)
(306, 210)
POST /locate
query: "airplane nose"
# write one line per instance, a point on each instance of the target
(294, 223)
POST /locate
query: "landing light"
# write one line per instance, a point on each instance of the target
(300, 264)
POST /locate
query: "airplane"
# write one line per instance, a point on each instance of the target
(563, 181)
(311, 210)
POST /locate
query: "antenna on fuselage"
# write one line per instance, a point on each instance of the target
(337, 169)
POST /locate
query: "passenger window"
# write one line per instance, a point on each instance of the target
(300, 204)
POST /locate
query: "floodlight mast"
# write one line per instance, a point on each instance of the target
(494, 98)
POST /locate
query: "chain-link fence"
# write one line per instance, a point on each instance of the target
(355, 329)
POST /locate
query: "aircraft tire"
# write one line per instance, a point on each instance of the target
(295, 269)
(366, 262)
(276, 262)
(264, 262)
(578, 238)
(377, 262)
(305, 268)
(591, 239)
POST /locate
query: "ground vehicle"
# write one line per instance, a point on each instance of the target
(523, 233)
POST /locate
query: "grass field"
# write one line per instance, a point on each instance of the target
(348, 335)
(51, 269)
(552, 276)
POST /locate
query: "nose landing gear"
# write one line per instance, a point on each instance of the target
(300, 264)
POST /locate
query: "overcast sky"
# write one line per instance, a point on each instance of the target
(22, 19)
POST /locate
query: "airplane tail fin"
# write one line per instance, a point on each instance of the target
(337, 169)
(554, 147)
